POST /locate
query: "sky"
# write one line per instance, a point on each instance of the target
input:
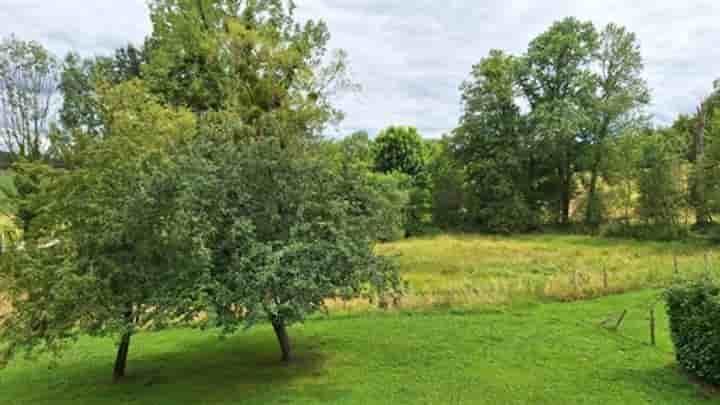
(411, 56)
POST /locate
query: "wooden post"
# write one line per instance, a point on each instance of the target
(652, 326)
(620, 320)
(676, 269)
(605, 279)
(575, 284)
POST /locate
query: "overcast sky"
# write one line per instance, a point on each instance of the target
(410, 56)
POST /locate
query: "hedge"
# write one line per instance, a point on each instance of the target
(694, 313)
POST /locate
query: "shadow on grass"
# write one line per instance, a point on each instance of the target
(665, 383)
(185, 367)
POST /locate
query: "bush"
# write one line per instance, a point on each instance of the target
(694, 312)
(656, 232)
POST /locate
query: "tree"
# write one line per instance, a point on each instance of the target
(79, 82)
(102, 258)
(448, 187)
(493, 145)
(80, 110)
(381, 198)
(659, 186)
(357, 148)
(279, 231)
(245, 61)
(399, 149)
(621, 93)
(557, 79)
(711, 165)
(402, 150)
(28, 81)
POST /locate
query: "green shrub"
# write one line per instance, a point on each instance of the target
(657, 232)
(694, 312)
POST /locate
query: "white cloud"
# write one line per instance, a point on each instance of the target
(411, 56)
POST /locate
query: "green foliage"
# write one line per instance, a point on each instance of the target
(557, 79)
(249, 60)
(583, 89)
(492, 145)
(100, 257)
(661, 195)
(400, 149)
(694, 312)
(280, 234)
(382, 199)
(81, 81)
(448, 187)
(711, 164)
(616, 110)
(80, 109)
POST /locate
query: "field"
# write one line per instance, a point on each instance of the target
(485, 322)
(462, 270)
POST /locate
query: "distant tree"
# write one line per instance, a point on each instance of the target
(102, 257)
(380, 198)
(660, 189)
(28, 89)
(280, 232)
(247, 62)
(448, 187)
(495, 148)
(358, 148)
(621, 95)
(559, 84)
(399, 149)
(79, 82)
(80, 109)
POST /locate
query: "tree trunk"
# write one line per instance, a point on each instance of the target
(565, 196)
(591, 217)
(565, 206)
(121, 359)
(566, 176)
(283, 339)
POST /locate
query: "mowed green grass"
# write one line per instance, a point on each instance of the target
(541, 354)
(477, 269)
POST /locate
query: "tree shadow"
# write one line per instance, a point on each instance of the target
(206, 369)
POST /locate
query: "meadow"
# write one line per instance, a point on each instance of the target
(470, 270)
(475, 327)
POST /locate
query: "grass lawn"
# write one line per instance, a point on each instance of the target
(539, 354)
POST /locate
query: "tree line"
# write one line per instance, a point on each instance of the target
(559, 136)
(187, 181)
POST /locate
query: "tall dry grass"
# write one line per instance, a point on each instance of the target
(474, 270)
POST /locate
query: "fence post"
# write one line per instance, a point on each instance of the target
(575, 284)
(605, 279)
(620, 320)
(652, 325)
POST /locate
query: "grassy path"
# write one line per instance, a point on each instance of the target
(543, 354)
